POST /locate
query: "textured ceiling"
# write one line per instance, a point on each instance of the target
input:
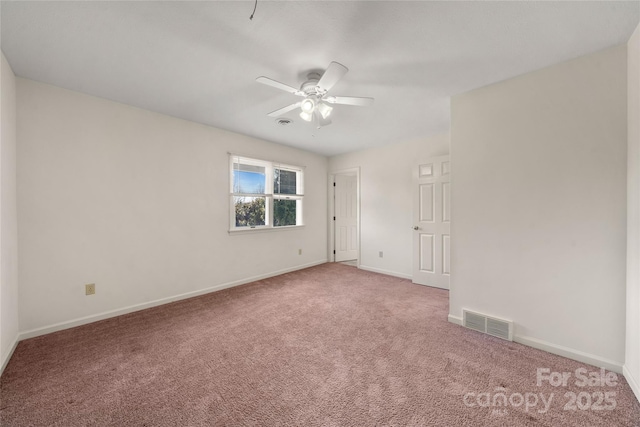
(199, 60)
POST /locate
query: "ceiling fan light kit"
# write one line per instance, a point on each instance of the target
(324, 110)
(307, 105)
(306, 116)
(314, 91)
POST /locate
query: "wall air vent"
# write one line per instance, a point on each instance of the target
(488, 325)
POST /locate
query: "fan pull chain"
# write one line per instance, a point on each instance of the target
(254, 10)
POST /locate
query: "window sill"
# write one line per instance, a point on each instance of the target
(264, 229)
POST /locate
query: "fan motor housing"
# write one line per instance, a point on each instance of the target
(310, 87)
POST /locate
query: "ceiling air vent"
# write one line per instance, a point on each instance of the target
(283, 122)
(488, 325)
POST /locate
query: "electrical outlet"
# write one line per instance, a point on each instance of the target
(380, 254)
(90, 289)
(299, 251)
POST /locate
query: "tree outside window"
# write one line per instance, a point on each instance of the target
(264, 194)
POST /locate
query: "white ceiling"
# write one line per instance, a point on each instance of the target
(199, 60)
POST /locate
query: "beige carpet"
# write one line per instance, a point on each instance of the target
(326, 346)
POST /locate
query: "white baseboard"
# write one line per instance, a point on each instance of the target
(454, 319)
(570, 353)
(7, 357)
(567, 352)
(387, 272)
(634, 383)
(137, 307)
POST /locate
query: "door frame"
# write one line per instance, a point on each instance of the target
(438, 226)
(331, 205)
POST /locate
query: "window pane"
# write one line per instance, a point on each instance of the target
(284, 181)
(248, 179)
(284, 212)
(250, 211)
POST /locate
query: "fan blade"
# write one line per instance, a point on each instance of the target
(320, 120)
(334, 73)
(270, 82)
(349, 100)
(284, 110)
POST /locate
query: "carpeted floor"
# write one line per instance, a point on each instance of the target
(327, 346)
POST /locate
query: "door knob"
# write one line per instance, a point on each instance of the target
(415, 227)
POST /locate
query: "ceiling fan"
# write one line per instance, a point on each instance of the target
(315, 90)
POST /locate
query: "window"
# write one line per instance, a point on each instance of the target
(265, 194)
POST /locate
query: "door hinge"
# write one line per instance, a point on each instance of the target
(334, 251)
(334, 184)
(334, 218)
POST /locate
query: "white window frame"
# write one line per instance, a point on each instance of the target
(269, 194)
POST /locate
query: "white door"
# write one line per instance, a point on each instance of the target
(346, 217)
(432, 220)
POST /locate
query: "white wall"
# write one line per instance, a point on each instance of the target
(386, 200)
(632, 359)
(8, 225)
(137, 203)
(539, 206)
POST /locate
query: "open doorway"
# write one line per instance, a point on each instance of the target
(344, 211)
